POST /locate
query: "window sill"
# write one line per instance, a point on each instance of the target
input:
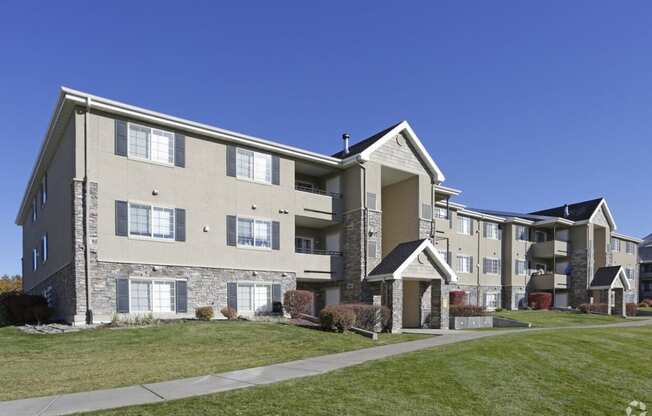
(253, 248)
(243, 179)
(151, 162)
(160, 240)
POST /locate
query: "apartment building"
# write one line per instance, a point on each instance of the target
(645, 276)
(130, 211)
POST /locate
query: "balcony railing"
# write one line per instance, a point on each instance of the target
(318, 252)
(313, 190)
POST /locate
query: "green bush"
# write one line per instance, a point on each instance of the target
(229, 313)
(204, 313)
(337, 318)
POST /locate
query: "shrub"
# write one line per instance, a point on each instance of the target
(204, 313)
(229, 313)
(297, 302)
(642, 305)
(648, 301)
(631, 309)
(133, 320)
(456, 297)
(369, 317)
(336, 318)
(21, 308)
(466, 310)
(593, 308)
(540, 300)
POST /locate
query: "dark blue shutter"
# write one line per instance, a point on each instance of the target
(121, 218)
(42, 251)
(232, 295)
(276, 170)
(231, 230)
(121, 138)
(276, 292)
(122, 297)
(180, 227)
(230, 161)
(276, 237)
(182, 296)
(179, 150)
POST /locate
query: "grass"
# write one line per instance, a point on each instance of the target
(95, 359)
(569, 372)
(552, 318)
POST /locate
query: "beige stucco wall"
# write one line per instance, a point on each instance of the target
(400, 214)
(55, 218)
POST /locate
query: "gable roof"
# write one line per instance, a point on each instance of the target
(363, 150)
(605, 276)
(394, 263)
(578, 211)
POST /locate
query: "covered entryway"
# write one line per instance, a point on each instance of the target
(415, 274)
(608, 286)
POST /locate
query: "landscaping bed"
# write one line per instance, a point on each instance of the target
(556, 318)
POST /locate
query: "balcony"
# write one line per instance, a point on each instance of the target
(324, 207)
(549, 281)
(319, 264)
(549, 249)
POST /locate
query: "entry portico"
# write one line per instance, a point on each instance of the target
(608, 286)
(416, 279)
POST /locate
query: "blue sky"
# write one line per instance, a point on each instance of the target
(524, 105)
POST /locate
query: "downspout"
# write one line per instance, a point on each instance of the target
(554, 262)
(89, 311)
(365, 210)
(478, 266)
(433, 224)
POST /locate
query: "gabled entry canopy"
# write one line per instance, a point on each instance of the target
(612, 277)
(393, 266)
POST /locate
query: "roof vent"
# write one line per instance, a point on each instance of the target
(566, 212)
(345, 139)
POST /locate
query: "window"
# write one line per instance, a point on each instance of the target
(444, 254)
(303, 244)
(151, 144)
(521, 267)
(522, 233)
(615, 244)
(464, 225)
(647, 268)
(152, 296)
(151, 221)
(34, 211)
(254, 297)
(491, 231)
(629, 272)
(441, 213)
(34, 259)
(464, 264)
(630, 248)
(44, 247)
(254, 166)
(540, 236)
(491, 266)
(254, 233)
(44, 189)
(490, 301)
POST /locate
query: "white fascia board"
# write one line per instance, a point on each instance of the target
(453, 205)
(380, 277)
(426, 245)
(517, 220)
(626, 237)
(481, 215)
(447, 190)
(562, 221)
(610, 217)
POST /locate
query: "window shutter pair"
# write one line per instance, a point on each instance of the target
(426, 211)
(121, 143)
(231, 165)
(122, 296)
(122, 221)
(231, 232)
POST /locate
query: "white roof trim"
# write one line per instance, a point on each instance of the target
(554, 220)
(626, 237)
(480, 215)
(610, 217)
(412, 136)
(447, 190)
(623, 279)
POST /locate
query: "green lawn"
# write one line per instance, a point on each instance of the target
(547, 319)
(94, 359)
(578, 372)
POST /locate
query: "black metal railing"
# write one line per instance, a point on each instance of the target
(313, 190)
(319, 252)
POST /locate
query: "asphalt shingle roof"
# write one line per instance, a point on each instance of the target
(363, 144)
(578, 211)
(396, 257)
(605, 276)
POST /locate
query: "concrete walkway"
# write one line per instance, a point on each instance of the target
(65, 404)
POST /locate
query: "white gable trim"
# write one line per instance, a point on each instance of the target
(403, 126)
(427, 246)
(610, 218)
(623, 279)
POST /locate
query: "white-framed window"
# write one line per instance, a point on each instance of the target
(148, 143)
(151, 221)
(464, 264)
(304, 244)
(521, 267)
(491, 231)
(34, 211)
(464, 225)
(490, 301)
(44, 245)
(540, 236)
(615, 244)
(629, 271)
(630, 248)
(44, 190)
(34, 259)
(254, 298)
(441, 213)
(522, 233)
(253, 166)
(152, 296)
(443, 253)
(254, 233)
(491, 265)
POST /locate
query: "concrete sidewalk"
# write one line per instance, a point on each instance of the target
(214, 383)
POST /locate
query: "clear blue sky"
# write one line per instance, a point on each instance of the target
(524, 105)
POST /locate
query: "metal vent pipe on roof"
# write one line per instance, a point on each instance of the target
(345, 138)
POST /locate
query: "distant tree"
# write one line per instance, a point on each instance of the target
(10, 283)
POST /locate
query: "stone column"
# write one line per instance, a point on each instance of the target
(620, 302)
(439, 304)
(609, 305)
(397, 306)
